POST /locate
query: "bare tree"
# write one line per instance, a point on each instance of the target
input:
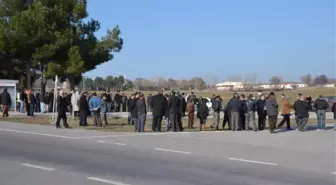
(321, 80)
(172, 83)
(276, 80)
(307, 79)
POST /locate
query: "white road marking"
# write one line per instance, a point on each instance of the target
(120, 144)
(114, 143)
(36, 133)
(250, 161)
(174, 151)
(106, 181)
(37, 167)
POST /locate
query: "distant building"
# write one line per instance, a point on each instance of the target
(231, 85)
(266, 86)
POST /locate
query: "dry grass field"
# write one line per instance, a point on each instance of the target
(314, 92)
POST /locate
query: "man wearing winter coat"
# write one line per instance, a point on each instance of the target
(234, 106)
(5, 102)
(159, 105)
(321, 105)
(285, 111)
(272, 111)
(301, 108)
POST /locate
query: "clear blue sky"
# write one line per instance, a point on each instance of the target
(217, 38)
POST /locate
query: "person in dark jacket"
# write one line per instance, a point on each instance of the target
(250, 108)
(180, 112)
(184, 105)
(83, 109)
(124, 102)
(173, 104)
(321, 105)
(272, 111)
(159, 105)
(261, 111)
(203, 113)
(6, 102)
(141, 113)
(166, 116)
(62, 106)
(51, 101)
(301, 108)
(226, 118)
(109, 102)
(149, 102)
(242, 112)
(38, 102)
(31, 103)
(217, 108)
(131, 113)
(118, 101)
(234, 106)
(333, 109)
(21, 100)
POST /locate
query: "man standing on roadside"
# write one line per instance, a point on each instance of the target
(234, 106)
(159, 105)
(301, 108)
(62, 106)
(286, 107)
(261, 111)
(272, 112)
(333, 109)
(320, 106)
(5, 102)
(173, 105)
(250, 108)
(216, 107)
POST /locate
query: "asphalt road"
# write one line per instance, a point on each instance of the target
(42, 155)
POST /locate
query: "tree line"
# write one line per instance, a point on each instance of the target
(45, 38)
(120, 83)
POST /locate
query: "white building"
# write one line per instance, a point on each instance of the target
(230, 85)
(288, 85)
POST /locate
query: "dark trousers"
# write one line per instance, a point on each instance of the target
(50, 107)
(61, 115)
(286, 118)
(174, 122)
(226, 120)
(179, 120)
(191, 117)
(28, 109)
(83, 117)
(38, 107)
(5, 110)
(96, 118)
(156, 123)
(31, 109)
(241, 121)
(118, 107)
(272, 121)
(124, 107)
(261, 121)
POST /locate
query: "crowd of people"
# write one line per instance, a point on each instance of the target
(239, 113)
